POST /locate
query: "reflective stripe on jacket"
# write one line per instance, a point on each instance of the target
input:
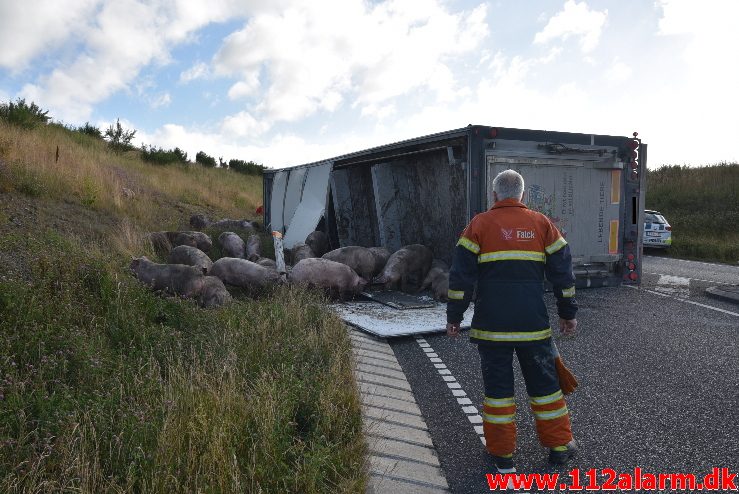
(507, 251)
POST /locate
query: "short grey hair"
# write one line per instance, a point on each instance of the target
(508, 184)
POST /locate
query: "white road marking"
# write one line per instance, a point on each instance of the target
(470, 411)
(706, 306)
(698, 279)
(673, 285)
(685, 261)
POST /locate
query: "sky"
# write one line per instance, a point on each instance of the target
(287, 82)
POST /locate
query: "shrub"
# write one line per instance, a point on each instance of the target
(22, 114)
(119, 138)
(205, 160)
(159, 156)
(90, 130)
(246, 167)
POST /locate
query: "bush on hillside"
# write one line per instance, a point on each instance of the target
(246, 167)
(22, 114)
(119, 138)
(205, 160)
(90, 130)
(159, 156)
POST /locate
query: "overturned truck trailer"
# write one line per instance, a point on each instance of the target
(426, 190)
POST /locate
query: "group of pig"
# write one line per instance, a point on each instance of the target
(190, 273)
(410, 268)
(342, 273)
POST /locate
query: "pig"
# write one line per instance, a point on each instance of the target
(231, 244)
(190, 256)
(338, 280)
(174, 279)
(213, 293)
(199, 221)
(406, 268)
(318, 242)
(243, 273)
(299, 252)
(193, 239)
(267, 262)
(438, 280)
(253, 248)
(381, 256)
(360, 259)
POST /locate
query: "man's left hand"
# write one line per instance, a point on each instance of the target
(452, 329)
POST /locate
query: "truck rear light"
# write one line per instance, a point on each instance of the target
(632, 266)
(633, 276)
(630, 256)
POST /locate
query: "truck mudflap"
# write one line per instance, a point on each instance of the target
(388, 319)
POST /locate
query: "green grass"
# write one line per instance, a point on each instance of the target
(107, 387)
(702, 205)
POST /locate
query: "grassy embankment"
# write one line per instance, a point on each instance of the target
(702, 205)
(106, 387)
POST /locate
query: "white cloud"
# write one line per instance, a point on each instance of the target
(243, 124)
(576, 19)
(280, 150)
(618, 71)
(314, 55)
(118, 38)
(197, 71)
(28, 29)
(246, 87)
(161, 100)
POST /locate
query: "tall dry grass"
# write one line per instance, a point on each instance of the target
(88, 172)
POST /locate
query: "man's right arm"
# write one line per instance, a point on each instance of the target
(462, 276)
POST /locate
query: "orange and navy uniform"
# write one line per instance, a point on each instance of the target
(505, 254)
(506, 251)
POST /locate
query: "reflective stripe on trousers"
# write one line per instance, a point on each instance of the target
(546, 399)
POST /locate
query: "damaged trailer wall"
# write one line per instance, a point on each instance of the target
(417, 199)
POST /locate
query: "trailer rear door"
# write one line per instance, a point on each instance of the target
(581, 197)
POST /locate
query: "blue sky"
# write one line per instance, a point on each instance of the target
(285, 82)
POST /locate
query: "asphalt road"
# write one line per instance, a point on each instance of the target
(659, 382)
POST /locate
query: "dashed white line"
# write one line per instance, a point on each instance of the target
(470, 410)
(706, 306)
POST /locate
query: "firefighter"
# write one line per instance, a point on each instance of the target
(506, 252)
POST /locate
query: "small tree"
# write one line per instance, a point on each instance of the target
(118, 137)
(22, 114)
(205, 160)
